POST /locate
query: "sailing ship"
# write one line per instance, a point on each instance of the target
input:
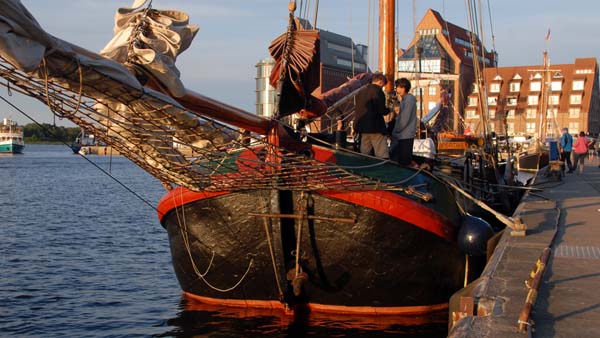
(537, 155)
(257, 213)
(11, 137)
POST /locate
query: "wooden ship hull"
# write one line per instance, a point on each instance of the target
(360, 251)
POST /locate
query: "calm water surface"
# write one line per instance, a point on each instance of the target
(80, 256)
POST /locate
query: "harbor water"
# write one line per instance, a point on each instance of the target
(82, 256)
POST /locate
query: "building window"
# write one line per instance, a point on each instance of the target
(576, 99)
(530, 113)
(556, 86)
(552, 112)
(432, 90)
(431, 66)
(416, 91)
(530, 128)
(475, 90)
(492, 127)
(578, 85)
(472, 101)
(553, 100)
(492, 101)
(511, 100)
(492, 114)
(348, 63)
(535, 86)
(340, 48)
(407, 66)
(495, 88)
(510, 114)
(532, 100)
(515, 87)
(573, 127)
(471, 114)
(574, 112)
(510, 128)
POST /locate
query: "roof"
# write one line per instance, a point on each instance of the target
(448, 35)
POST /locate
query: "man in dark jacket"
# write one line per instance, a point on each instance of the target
(368, 120)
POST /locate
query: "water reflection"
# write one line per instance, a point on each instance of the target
(202, 320)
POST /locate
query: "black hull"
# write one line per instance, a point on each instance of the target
(378, 261)
(533, 161)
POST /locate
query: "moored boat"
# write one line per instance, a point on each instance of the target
(262, 217)
(11, 137)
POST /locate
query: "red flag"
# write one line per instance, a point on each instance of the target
(548, 35)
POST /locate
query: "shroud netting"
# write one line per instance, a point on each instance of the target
(143, 125)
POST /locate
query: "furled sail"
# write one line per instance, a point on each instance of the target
(152, 38)
(296, 72)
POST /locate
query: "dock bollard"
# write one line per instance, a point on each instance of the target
(533, 284)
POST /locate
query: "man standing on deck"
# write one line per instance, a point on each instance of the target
(369, 122)
(566, 145)
(405, 128)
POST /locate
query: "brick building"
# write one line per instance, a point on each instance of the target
(517, 94)
(440, 56)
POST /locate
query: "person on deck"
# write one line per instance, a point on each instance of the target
(403, 134)
(566, 146)
(581, 149)
(369, 122)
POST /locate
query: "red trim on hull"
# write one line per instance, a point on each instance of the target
(321, 308)
(385, 202)
(179, 196)
(399, 207)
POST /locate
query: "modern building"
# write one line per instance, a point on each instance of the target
(440, 56)
(265, 93)
(341, 59)
(516, 101)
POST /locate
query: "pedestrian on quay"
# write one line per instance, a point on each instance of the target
(369, 122)
(591, 149)
(405, 127)
(581, 149)
(598, 148)
(566, 146)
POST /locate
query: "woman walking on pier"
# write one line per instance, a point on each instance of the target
(581, 150)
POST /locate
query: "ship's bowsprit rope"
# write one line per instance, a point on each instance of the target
(171, 143)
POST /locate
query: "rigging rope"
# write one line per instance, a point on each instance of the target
(492, 32)
(272, 253)
(51, 133)
(185, 238)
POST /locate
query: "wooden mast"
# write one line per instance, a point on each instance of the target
(387, 10)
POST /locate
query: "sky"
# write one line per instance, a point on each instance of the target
(235, 34)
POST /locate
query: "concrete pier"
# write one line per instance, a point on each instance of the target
(564, 217)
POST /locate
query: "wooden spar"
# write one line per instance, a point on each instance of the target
(213, 109)
(387, 11)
